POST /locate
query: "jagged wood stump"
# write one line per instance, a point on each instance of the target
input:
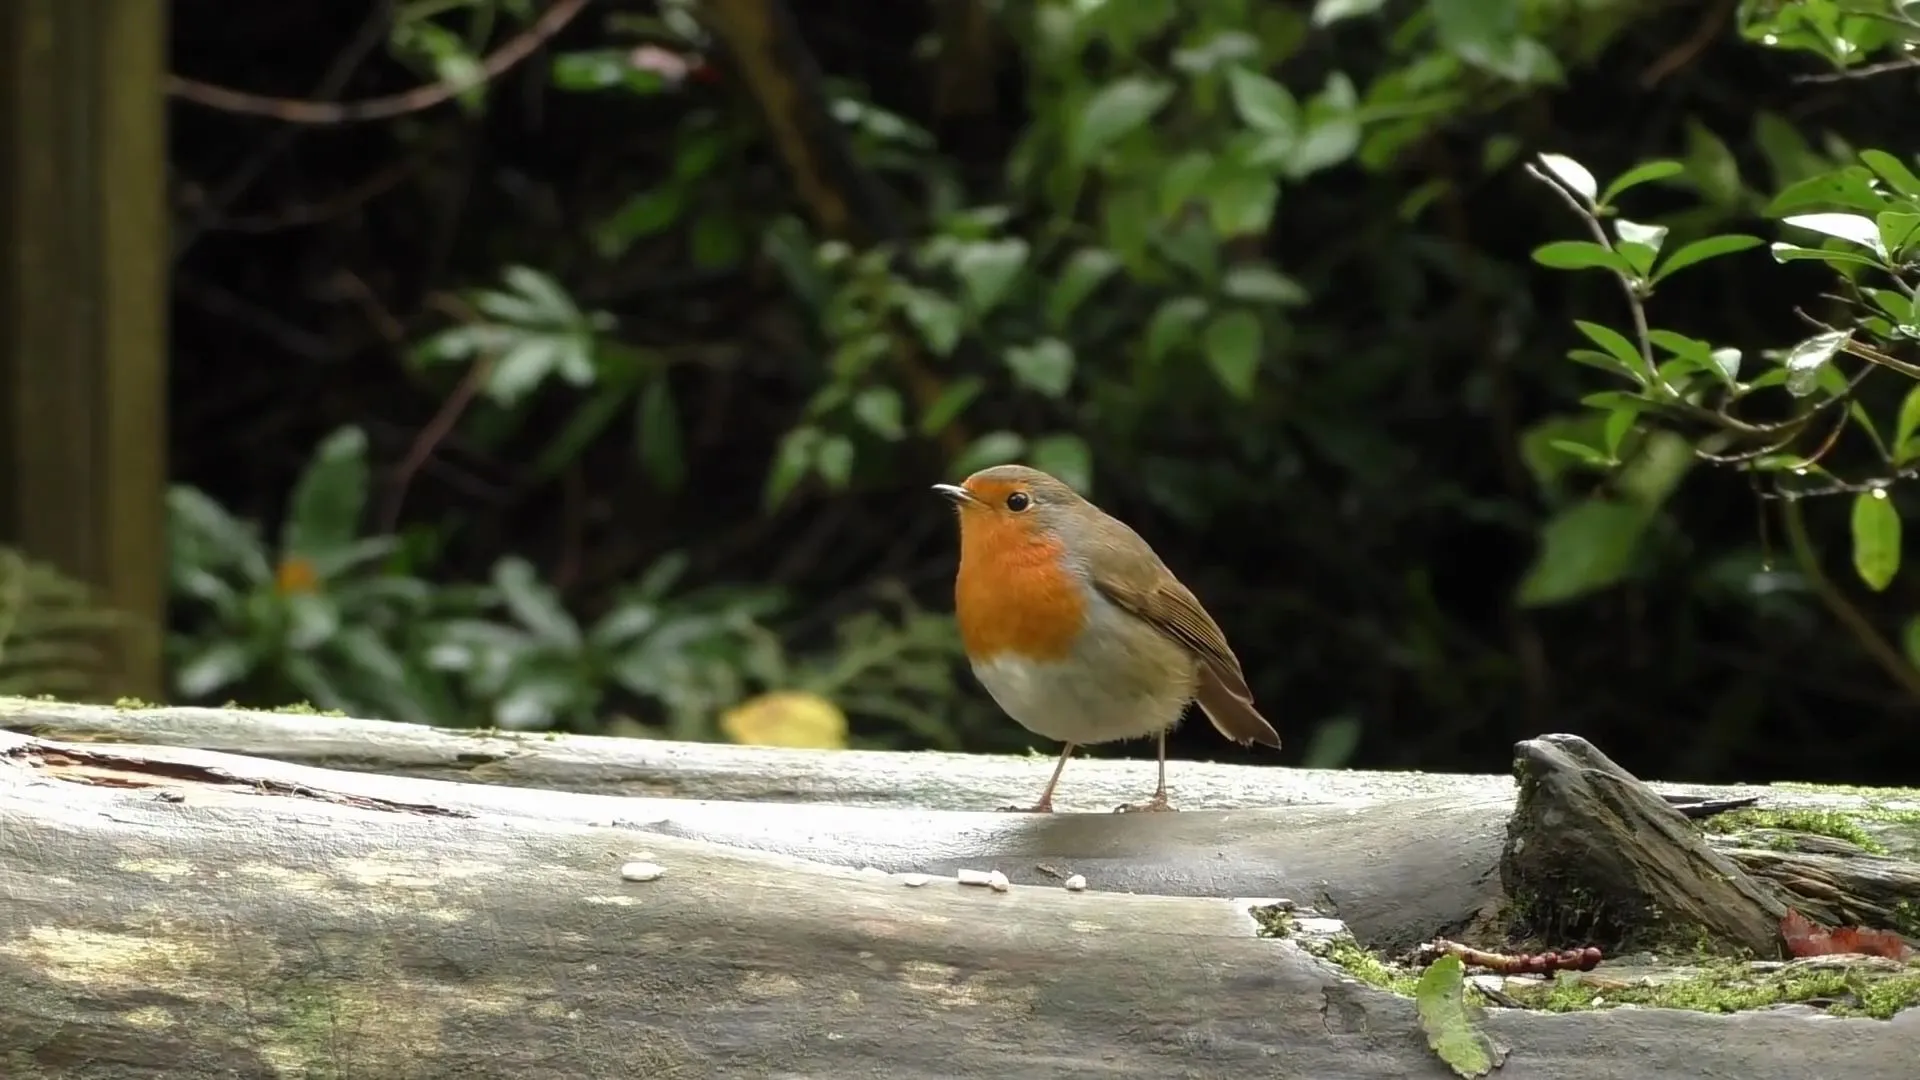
(173, 912)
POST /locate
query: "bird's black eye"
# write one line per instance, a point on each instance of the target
(1018, 501)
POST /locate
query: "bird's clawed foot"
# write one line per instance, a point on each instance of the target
(1157, 804)
(1044, 806)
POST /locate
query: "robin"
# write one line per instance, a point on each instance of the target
(1079, 631)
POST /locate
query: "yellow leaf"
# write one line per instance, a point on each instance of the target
(787, 718)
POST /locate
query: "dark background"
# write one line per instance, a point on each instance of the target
(1358, 528)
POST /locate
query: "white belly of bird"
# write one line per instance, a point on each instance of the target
(1118, 687)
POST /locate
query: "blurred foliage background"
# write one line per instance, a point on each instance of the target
(583, 364)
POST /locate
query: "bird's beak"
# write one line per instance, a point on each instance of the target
(961, 496)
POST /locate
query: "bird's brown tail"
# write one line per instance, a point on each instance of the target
(1233, 714)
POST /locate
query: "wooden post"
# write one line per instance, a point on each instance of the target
(83, 271)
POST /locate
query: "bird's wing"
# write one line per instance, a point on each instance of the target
(1126, 571)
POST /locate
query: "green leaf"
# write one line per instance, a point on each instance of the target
(1905, 449)
(1172, 325)
(833, 460)
(988, 270)
(1794, 253)
(1805, 360)
(217, 666)
(534, 603)
(993, 448)
(1586, 547)
(792, 461)
(1326, 12)
(717, 241)
(1117, 109)
(1893, 171)
(1910, 640)
(1846, 187)
(1257, 284)
(1640, 174)
(641, 216)
(657, 436)
(881, 410)
(1614, 342)
(936, 317)
(1486, 33)
(1607, 362)
(1451, 1023)
(953, 401)
(1067, 457)
(1232, 343)
(1262, 103)
(1702, 250)
(1568, 171)
(1580, 255)
(1852, 228)
(1619, 423)
(1876, 538)
(327, 502)
(1084, 273)
(1639, 244)
(1896, 230)
(203, 536)
(1240, 201)
(1045, 366)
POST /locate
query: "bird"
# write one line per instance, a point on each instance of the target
(1078, 630)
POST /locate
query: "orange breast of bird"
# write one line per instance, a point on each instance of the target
(1012, 593)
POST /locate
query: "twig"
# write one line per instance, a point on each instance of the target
(294, 111)
(1842, 609)
(1885, 67)
(1682, 54)
(1639, 310)
(435, 432)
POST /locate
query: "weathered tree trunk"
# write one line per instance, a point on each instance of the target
(177, 912)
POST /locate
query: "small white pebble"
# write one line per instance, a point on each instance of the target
(973, 877)
(1076, 883)
(914, 881)
(873, 871)
(997, 881)
(641, 871)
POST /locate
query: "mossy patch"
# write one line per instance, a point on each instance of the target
(1834, 824)
(1274, 920)
(1350, 956)
(1728, 988)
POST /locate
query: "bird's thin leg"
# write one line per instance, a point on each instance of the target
(1045, 805)
(1159, 800)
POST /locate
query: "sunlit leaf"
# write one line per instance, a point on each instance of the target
(992, 448)
(324, 515)
(1894, 171)
(789, 718)
(1568, 171)
(1804, 361)
(1850, 227)
(1045, 366)
(988, 269)
(1067, 457)
(1084, 273)
(1262, 103)
(1115, 110)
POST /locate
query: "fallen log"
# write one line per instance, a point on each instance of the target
(171, 911)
